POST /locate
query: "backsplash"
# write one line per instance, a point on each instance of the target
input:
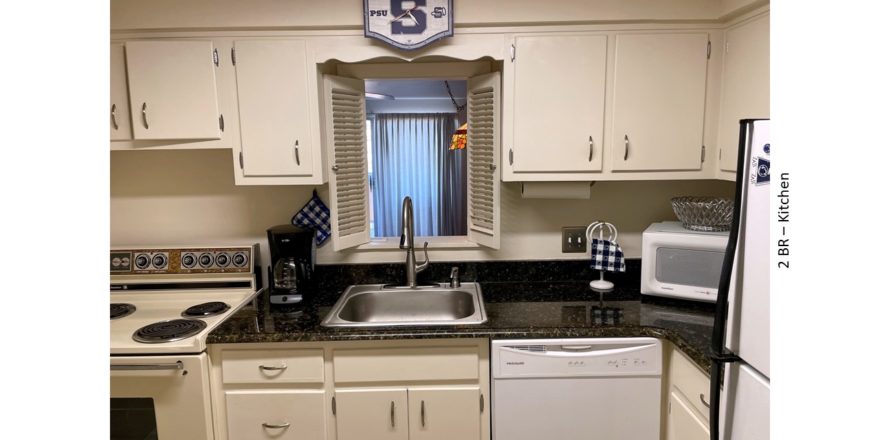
(336, 277)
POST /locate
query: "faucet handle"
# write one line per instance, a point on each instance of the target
(423, 266)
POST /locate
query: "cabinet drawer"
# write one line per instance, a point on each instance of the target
(406, 364)
(275, 415)
(683, 423)
(273, 366)
(690, 381)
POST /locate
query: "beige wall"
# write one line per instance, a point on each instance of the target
(180, 197)
(188, 197)
(347, 14)
(731, 8)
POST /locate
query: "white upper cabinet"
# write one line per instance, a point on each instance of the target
(120, 116)
(745, 86)
(172, 90)
(558, 104)
(658, 101)
(275, 116)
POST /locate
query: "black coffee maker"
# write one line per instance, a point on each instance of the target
(292, 254)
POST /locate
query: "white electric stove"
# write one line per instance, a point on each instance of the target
(167, 300)
(163, 304)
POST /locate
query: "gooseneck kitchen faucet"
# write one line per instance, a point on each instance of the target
(407, 242)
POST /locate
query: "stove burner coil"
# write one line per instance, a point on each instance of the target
(205, 309)
(168, 331)
(119, 310)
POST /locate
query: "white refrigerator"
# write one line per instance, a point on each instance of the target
(740, 399)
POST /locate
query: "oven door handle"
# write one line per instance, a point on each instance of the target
(146, 367)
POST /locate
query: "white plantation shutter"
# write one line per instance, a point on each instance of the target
(484, 132)
(347, 145)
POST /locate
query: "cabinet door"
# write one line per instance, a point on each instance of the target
(683, 423)
(275, 414)
(559, 103)
(172, 89)
(120, 115)
(441, 413)
(659, 95)
(745, 88)
(371, 414)
(274, 115)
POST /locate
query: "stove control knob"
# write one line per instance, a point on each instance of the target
(142, 261)
(222, 259)
(206, 260)
(160, 261)
(188, 261)
(240, 259)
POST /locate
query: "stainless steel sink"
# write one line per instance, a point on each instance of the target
(377, 305)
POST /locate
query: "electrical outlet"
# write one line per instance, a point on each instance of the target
(574, 239)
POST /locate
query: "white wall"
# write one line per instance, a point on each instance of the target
(188, 197)
(348, 14)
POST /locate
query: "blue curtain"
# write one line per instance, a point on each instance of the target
(411, 157)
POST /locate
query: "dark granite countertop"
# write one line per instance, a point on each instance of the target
(556, 309)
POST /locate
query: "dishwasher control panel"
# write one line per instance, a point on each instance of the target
(576, 357)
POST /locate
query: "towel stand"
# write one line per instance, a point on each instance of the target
(599, 227)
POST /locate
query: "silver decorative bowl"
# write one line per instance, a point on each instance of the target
(704, 213)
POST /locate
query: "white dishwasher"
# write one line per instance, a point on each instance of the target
(576, 389)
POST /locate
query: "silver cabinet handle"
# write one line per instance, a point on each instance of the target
(296, 151)
(625, 147)
(335, 168)
(703, 399)
(423, 414)
(510, 156)
(281, 368)
(222, 124)
(113, 117)
(512, 52)
(275, 426)
(392, 413)
(136, 367)
(144, 115)
(591, 149)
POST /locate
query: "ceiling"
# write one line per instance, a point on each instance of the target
(417, 88)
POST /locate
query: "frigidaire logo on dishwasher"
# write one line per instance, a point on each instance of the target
(516, 363)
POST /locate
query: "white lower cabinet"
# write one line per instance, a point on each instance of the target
(275, 414)
(687, 411)
(415, 413)
(683, 422)
(440, 413)
(353, 390)
(371, 414)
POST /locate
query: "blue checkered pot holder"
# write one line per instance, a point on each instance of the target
(606, 255)
(314, 215)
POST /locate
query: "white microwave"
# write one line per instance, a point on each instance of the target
(680, 263)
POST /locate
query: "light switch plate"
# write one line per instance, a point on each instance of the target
(574, 239)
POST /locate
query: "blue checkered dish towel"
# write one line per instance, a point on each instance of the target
(606, 255)
(314, 215)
